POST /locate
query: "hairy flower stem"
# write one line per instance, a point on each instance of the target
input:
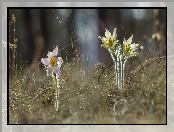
(57, 94)
(119, 67)
(123, 70)
(115, 65)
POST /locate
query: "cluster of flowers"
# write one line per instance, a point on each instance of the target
(119, 52)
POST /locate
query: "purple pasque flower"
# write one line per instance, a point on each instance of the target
(52, 63)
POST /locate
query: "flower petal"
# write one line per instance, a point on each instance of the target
(124, 41)
(50, 54)
(56, 69)
(49, 70)
(134, 46)
(55, 51)
(103, 39)
(133, 54)
(105, 46)
(45, 61)
(107, 33)
(129, 41)
(59, 61)
(114, 34)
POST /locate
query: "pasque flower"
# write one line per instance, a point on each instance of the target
(128, 48)
(109, 41)
(53, 63)
(119, 53)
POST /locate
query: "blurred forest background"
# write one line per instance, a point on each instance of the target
(87, 97)
(39, 30)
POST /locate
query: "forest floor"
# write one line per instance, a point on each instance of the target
(89, 97)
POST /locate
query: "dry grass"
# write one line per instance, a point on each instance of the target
(91, 97)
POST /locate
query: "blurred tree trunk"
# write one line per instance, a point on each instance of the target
(87, 30)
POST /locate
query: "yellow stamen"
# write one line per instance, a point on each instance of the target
(127, 47)
(53, 61)
(110, 42)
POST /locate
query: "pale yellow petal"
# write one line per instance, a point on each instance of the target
(129, 41)
(107, 33)
(114, 34)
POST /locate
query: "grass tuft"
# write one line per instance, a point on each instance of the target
(90, 97)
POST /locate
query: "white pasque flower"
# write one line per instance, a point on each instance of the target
(52, 63)
(110, 41)
(128, 48)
